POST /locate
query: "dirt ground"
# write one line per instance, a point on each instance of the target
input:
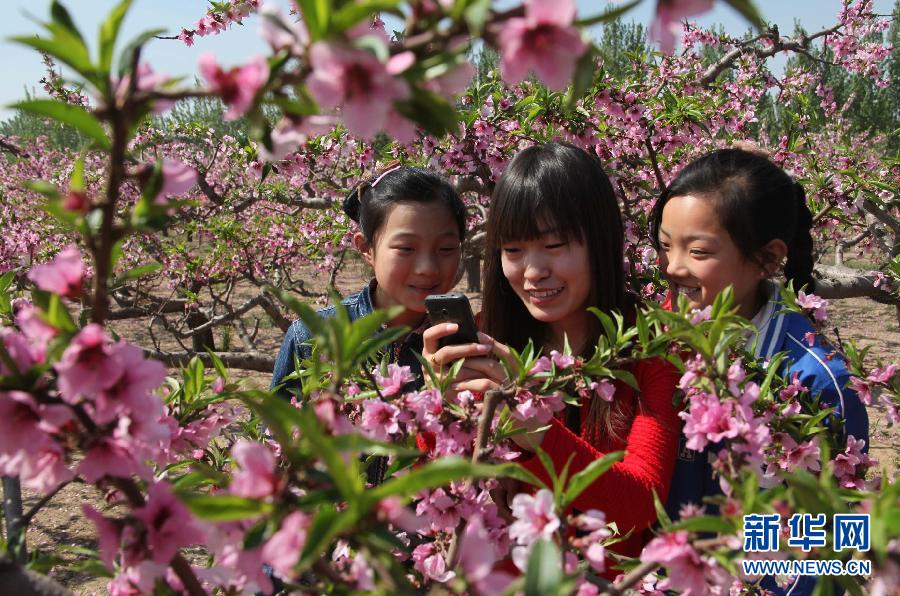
(61, 523)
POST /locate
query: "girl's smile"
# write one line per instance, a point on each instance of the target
(415, 254)
(699, 258)
(552, 278)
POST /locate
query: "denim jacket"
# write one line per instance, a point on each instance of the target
(296, 342)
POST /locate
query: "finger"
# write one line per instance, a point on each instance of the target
(433, 334)
(486, 367)
(449, 354)
(475, 385)
(503, 352)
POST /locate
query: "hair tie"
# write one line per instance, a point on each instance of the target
(354, 199)
(390, 167)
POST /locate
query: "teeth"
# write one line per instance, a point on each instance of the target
(687, 290)
(545, 293)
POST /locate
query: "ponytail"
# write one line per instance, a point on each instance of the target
(799, 265)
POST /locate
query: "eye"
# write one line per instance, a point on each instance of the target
(404, 249)
(448, 249)
(510, 250)
(664, 246)
(553, 245)
(699, 252)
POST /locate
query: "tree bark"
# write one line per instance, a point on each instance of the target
(240, 360)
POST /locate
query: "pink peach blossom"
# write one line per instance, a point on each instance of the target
(357, 81)
(667, 22)
(814, 303)
(255, 477)
(238, 86)
(379, 418)
(282, 551)
(130, 392)
(63, 275)
(178, 179)
(535, 517)
(169, 524)
(393, 382)
(87, 366)
(543, 41)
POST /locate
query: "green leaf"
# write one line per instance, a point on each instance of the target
(354, 12)
(316, 14)
(476, 15)
(551, 471)
(430, 111)
(356, 443)
(610, 14)
(6, 280)
(748, 10)
(587, 476)
(75, 116)
(61, 16)
(128, 51)
(58, 316)
(109, 32)
(704, 523)
(665, 522)
(345, 477)
(326, 525)
(140, 271)
(544, 574)
(223, 508)
(437, 473)
(217, 364)
(517, 472)
(65, 47)
(585, 69)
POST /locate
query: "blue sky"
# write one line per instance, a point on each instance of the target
(21, 68)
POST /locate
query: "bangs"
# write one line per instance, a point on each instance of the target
(538, 203)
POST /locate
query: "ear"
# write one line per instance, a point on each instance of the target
(773, 255)
(364, 248)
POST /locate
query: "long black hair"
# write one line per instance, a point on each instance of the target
(756, 202)
(370, 203)
(562, 187)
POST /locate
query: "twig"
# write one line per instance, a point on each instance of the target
(492, 399)
(655, 162)
(26, 519)
(631, 578)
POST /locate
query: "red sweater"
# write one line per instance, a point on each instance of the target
(625, 492)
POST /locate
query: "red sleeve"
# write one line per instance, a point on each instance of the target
(625, 492)
(669, 302)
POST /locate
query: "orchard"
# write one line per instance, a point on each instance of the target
(209, 216)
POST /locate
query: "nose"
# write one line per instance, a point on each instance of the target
(426, 264)
(536, 266)
(672, 262)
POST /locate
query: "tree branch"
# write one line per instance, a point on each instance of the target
(255, 361)
(779, 44)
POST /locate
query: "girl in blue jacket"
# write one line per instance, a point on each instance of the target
(411, 227)
(732, 218)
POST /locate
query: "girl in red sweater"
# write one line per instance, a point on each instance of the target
(554, 247)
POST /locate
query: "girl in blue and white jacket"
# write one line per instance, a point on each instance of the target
(732, 218)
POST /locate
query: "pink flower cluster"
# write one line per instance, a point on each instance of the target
(543, 41)
(816, 305)
(687, 572)
(219, 18)
(850, 466)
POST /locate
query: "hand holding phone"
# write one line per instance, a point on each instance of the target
(453, 307)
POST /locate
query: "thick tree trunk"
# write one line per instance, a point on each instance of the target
(472, 266)
(240, 360)
(834, 283)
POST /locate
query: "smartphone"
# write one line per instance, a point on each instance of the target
(453, 308)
